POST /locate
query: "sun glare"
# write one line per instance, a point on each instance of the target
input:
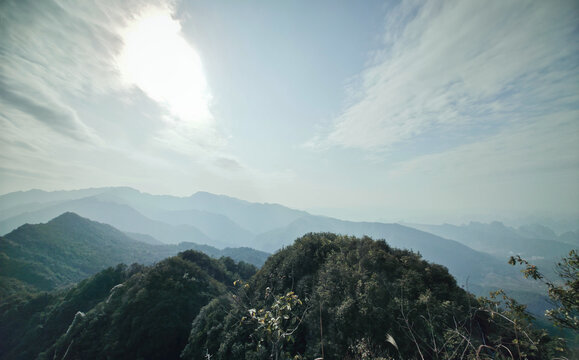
(158, 60)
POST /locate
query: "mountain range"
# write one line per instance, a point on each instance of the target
(70, 248)
(475, 254)
(338, 297)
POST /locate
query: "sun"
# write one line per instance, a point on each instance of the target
(157, 59)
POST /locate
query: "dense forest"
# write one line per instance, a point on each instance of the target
(123, 312)
(326, 296)
(70, 248)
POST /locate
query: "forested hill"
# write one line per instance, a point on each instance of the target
(326, 295)
(221, 221)
(338, 297)
(70, 248)
(134, 312)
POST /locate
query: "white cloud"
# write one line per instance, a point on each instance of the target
(61, 55)
(548, 144)
(530, 167)
(447, 66)
(157, 59)
(54, 53)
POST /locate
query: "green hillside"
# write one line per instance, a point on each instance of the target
(70, 248)
(327, 295)
(340, 297)
(124, 312)
(66, 250)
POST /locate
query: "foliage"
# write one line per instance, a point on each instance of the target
(327, 295)
(516, 335)
(355, 290)
(70, 248)
(122, 312)
(32, 323)
(277, 322)
(565, 295)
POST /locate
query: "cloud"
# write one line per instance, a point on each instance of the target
(157, 59)
(44, 108)
(50, 58)
(450, 67)
(228, 164)
(543, 145)
(530, 167)
(58, 58)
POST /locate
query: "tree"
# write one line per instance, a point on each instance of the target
(278, 322)
(564, 294)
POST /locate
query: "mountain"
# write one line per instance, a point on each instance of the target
(134, 312)
(70, 248)
(339, 297)
(224, 222)
(65, 250)
(344, 297)
(570, 237)
(537, 231)
(118, 215)
(10, 203)
(255, 217)
(470, 267)
(204, 218)
(218, 227)
(499, 240)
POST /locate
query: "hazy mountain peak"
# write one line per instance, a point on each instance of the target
(204, 195)
(67, 216)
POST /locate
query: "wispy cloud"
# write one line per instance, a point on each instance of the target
(45, 107)
(50, 56)
(450, 66)
(547, 145)
(56, 57)
(157, 59)
(530, 167)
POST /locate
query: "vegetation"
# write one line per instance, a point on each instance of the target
(326, 296)
(32, 323)
(361, 299)
(66, 250)
(70, 248)
(121, 313)
(565, 295)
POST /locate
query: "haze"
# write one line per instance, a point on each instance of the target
(399, 110)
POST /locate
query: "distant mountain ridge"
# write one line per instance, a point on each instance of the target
(123, 312)
(221, 221)
(536, 243)
(70, 248)
(156, 215)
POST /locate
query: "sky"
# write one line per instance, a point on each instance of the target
(416, 111)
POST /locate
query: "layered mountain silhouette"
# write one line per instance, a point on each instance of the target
(530, 241)
(123, 312)
(220, 221)
(70, 248)
(341, 296)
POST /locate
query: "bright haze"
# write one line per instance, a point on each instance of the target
(422, 111)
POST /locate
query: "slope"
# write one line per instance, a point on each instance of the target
(470, 267)
(70, 248)
(497, 239)
(122, 312)
(67, 249)
(341, 297)
(118, 215)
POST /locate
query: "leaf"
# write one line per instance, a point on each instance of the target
(391, 340)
